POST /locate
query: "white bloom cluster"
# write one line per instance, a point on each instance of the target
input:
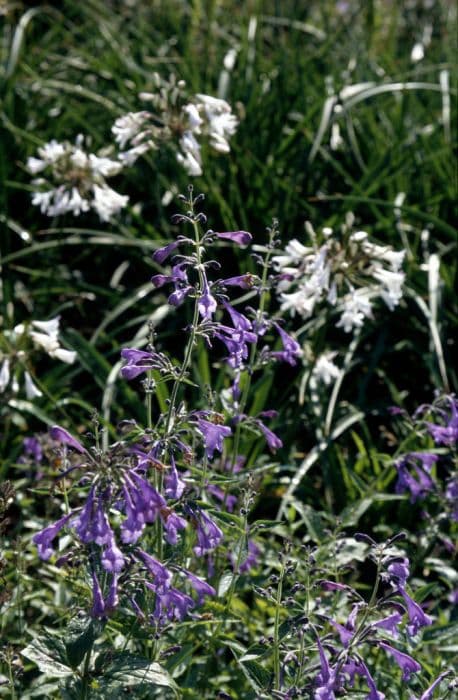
(177, 120)
(44, 335)
(347, 272)
(74, 181)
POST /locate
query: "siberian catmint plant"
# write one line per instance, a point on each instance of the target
(328, 636)
(178, 119)
(147, 512)
(72, 180)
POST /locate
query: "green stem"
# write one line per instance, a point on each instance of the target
(276, 630)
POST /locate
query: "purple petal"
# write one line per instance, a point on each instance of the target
(61, 435)
(239, 237)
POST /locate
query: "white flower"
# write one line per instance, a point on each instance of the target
(63, 355)
(295, 252)
(31, 389)
(104, 166)
(50, 327)
(357, 307)
(107, 202)
(417, 53)
(4, 374)
(195, 121)
(190, 159)
(52, 151)
(79, 159)
(128, 126)
(35, 165)
(43, 200)
(325, 370)
(129, 157)
(391, 291)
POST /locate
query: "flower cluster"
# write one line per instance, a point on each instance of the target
(71, 180)
(345, 271)
(16, 352)
(179, 120)
(341, 630)
(120, 504)
(429, 473)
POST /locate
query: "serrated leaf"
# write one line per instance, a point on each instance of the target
(80, 635)
(48, 653)
(125, 671)
(256, 674)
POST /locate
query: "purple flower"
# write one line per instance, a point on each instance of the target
(239, 237)
(446, 434)
(347, 631)
(162, 254)
(174, 486)
(246, 281)
(112, 558)
(404, 661)
(213, 435)
(374, 694)
(389, 623)
(428, 694)
(273, 441)
(172, 523)
(92, 523)
(173, 604)
(208, 533)
(207, 303)
(399, 571)
(201, 587)
(417, 617)
(162, 576)
(251, 559)
(327, 678)
(98, 604)
(142, 504)
(32, 448)
(334, 586)
(63, 436)
(112, 599)
(420, 484)
(44, 538)
(451, 494)
(241, 322)
(291, 348)
(179, 295)
(139, 361)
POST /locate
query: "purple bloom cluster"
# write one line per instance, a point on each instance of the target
(139, 503)
(360, 629)
(422, 473)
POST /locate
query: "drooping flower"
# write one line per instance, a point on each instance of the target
(404, 661)
(239, 237)
(162, 577)
(291, 348)
(63, 436)
(417, 618)
(209, 535)
(139, 361)
(213, 435)
(44, 538)
(98, 604)
(201, 587)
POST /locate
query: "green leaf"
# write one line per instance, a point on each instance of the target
(126, 671)
(48, 653)
(80, 635)
(257, 676)
(225, 583)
